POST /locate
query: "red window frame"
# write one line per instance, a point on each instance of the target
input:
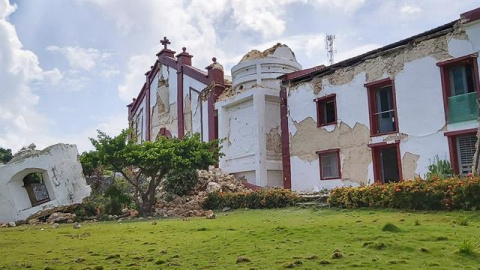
(329, 151)
(164, 132)
(320, 103)
(445, 77)
(452, 145)
(377, 162)
(372, 87)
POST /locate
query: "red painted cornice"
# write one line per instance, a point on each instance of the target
(472, 15)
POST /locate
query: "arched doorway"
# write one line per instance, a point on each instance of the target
(36, 189)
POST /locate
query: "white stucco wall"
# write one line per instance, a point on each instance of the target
(420, 111)
(62, 173)
(195, 120)
(140, 116)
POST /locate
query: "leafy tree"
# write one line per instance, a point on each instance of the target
(5, 155)
(180, 182)
(90, 162)
(145, 165)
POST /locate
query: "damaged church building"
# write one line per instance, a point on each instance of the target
(382, 116)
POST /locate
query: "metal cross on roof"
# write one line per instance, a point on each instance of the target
(165, 42)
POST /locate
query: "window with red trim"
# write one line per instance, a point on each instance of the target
(386, 162)
(326, 110)
(460, 88)
(462, 150)
(382, 107)
(329, 164)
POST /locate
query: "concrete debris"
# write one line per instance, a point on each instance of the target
(77, 225)
(256, 54)
(55, 226)
(36, 181)
(210, 180)
(213, 187)
(210, 215)
(61, 218)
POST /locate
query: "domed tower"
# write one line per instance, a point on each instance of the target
(249, 116)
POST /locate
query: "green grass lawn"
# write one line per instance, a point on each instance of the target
(270, 239)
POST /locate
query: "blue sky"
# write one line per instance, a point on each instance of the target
(68, 68)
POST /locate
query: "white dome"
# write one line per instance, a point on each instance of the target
(261, 69)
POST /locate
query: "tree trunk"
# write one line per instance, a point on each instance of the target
(147, 205)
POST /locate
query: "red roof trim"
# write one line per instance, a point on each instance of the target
(196, 74)
(139, 99)
(299, 73)
(471, 15)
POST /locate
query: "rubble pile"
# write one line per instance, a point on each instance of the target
(211, 180)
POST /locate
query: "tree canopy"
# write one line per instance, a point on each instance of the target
(5, 155)
(146, 165)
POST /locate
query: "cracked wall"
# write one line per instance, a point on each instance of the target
(420, 111)
(163, 105)
(62, 175)
(355, 155)
(187, 115)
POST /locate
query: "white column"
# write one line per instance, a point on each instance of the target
(260, 154)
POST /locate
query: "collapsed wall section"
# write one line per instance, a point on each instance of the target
(41, 180)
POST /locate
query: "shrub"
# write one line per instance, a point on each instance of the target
(433, 194)
(389, 227)
(180, 182)
(467, 248)
(259, 199)
(439, 168)
(118, 195)
(463, 221)
(98, 205)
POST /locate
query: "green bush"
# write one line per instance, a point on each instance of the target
(433, 194)
(259, 199)
(180, 182)
(118, 196)
(439, 168)
(98, 205)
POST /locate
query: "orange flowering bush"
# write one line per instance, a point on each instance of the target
(258, 199)
(433, 194)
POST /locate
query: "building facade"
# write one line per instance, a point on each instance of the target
(382, 116)
(388, 114)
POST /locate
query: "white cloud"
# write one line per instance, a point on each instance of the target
(410, 10)
(346, 6)
(108, 73)
(135, 77)
(262, 16)
(6, 9)
(81, 58)
(53, 76)
(356, 51)
(20, 123)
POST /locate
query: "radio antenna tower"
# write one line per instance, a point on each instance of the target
(330, 49)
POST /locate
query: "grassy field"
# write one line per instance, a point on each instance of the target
(265, 239)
